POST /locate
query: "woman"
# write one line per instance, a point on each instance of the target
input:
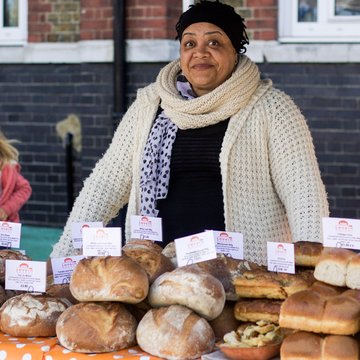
(210, 146)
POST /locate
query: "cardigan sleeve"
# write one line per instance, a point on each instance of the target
(294, 168)
(107, 188)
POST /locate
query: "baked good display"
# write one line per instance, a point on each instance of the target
(96, 327)
(8, 254)
(31, 314)
(148, 255)
(333, 264)
(307, 253)
(308, 346)
(261, 283)
(328, 312)
(175, 333)
(109, 278)
(191, 287)
(254, 310)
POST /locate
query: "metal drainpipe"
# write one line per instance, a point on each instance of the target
(119, 62)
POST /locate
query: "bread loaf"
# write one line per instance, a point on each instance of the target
(327, 313)
(96, 327)
(175, 333)
(353, 273)
(31, 314)
(308, 346)
(191, 287)
(7, 254)
(110, 278)
(307, 253)
(258, 309)
(148, 255)
(266, 284)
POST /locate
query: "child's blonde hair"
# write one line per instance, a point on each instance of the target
(8, 152)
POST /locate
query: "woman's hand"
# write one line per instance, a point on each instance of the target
(3, 214)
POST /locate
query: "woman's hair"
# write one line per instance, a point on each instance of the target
(8, 152)
(219, 14)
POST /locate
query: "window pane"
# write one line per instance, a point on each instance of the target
(11, 13)
(347, 7)
(307, 10)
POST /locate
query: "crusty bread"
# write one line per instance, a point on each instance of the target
(266, 284)
(148, 255)
(175, 333)
(59, 290)
(110, 278)
(353, 272)
(3, 296)
(308, 346)
(31, 314)
(331, 267)
(96, 327)
(307, 253)
(170, 252)
(191, 287)
(7, 254)
(254, 310)
(322, 312)
(225, 322)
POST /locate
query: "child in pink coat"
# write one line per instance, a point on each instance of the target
(15, 190)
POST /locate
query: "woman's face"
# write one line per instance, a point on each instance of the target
(207, 56)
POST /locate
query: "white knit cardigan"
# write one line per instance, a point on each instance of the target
(271, 181)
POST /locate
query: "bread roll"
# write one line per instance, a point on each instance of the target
(258, 309)
(332, 266)
(307, 253)
(148, 255)
(191, 287)
(309, 310)
(8, 254)
(266, 284)
(353, 273)
(31, 314)
(175, 333)
(307, 346)
(110, 278)
(170, 252)
(96, 327)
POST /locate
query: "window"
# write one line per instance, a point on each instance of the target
(319, 20)
(13, 22)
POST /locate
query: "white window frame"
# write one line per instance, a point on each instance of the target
(15, 35)
(328, 28)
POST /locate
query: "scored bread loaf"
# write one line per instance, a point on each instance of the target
(261, 283)
(109, 278)
(148, 255)
(31, 314)
(307, 253)
(332, 266)
(191, 287)
(254, 310)
(175, 333)
(308, 346)
(7, 254)
(322, 312)
(96, 327)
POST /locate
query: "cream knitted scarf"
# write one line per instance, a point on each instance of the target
(220, 104)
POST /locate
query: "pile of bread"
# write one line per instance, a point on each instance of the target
(172, 312)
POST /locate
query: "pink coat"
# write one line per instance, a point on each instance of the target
(16, 190)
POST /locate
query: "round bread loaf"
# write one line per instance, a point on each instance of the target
(175, 332)
(110, 278)
(8, 254)
(307, 253)
(3, 296)
(96, 327)
(191, 287)
(148, 255)
(31, 314)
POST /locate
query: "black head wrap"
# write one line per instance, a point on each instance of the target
(221, 15)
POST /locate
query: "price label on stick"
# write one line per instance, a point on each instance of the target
(281, 257)
(64, 267)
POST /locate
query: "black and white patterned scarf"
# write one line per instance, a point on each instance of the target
(155, 170)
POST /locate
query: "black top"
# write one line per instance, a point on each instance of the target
(195, 201)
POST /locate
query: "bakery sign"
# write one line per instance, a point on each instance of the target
(63, 268)
(341, 233)
(25, 275)
(195, 248)
(146, 227)
(10, 234)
